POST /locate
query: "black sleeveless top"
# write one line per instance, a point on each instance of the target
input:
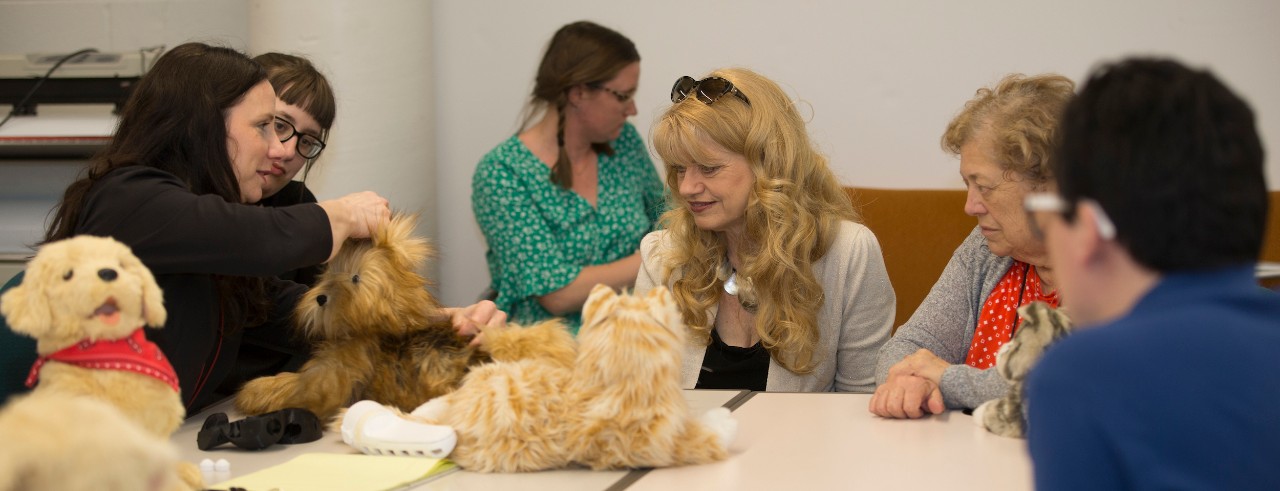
(733, 367)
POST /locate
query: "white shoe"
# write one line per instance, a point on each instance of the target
(375, 430)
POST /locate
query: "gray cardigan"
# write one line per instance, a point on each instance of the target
(853, 322)
(945, 322)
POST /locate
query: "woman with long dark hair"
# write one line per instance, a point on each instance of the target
(195, 143)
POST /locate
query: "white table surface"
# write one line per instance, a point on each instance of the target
(830, 441)
(245, 461)
(784, 441)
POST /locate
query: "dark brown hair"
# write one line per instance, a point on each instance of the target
(175, 122)
(1174, 157)
(298, 82)
(581, 53)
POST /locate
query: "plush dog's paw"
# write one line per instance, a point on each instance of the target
(265, 394)
(721, 422)
(1000, 416)
(980, 413)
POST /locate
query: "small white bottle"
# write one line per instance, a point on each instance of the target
(376, 430)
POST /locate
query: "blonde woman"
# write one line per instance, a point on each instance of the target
(781, 288)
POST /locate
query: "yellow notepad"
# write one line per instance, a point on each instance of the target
(342, 472)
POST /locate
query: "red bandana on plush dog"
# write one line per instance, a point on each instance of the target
(134, 354)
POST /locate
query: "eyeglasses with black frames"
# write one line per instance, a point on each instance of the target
(309, 147)
(708, 90)
(622, 97)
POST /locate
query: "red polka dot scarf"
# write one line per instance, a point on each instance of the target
(996, 324)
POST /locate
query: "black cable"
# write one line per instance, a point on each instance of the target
(40, 82)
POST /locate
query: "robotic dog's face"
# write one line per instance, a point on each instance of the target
(83, 287)
(371, 286)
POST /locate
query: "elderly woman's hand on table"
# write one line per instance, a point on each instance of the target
(912, 389)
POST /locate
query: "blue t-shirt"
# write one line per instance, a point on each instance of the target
(1183, 392)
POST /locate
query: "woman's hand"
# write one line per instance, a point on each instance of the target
(355, 215)
(922, 363)
(906, 396)
(367, 211)
(472, 320)
(912, 389)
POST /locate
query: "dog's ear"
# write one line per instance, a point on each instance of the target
(26, 308)
(153, 312)
(599, 302)
(398, 237)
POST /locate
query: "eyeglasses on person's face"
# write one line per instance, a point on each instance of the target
(708, 90)
(1052, 203)
(623, 97)
(309, 147)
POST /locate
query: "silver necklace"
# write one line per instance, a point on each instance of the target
(731, 284)
(731, 287)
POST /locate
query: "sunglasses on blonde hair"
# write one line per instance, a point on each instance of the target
(708, 90)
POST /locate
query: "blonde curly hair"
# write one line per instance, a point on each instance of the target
(1020, 115)
(793, 214)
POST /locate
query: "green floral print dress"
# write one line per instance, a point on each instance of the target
(540, 235)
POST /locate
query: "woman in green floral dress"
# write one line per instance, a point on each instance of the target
(564, 203)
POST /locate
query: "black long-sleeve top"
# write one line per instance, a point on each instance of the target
(295, 193)
(186, 239)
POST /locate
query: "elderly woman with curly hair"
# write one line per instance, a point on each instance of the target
(780, 287)
(941, 358)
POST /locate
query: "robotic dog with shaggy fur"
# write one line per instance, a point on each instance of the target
(1041, 326)
(378, 333)
(85, 300)
(611, 400)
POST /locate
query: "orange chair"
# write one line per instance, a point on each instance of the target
(1271, 241)
(918, 231)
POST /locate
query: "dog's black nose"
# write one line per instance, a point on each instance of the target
(107, 274)
(321, 299)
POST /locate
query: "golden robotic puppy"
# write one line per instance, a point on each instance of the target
(55, 441)
(85, 300)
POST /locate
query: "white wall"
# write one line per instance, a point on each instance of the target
(379, 63)
(879, 79)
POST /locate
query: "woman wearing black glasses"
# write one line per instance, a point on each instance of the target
(780, 286)
(305, 110)
(195, 143)
(564, 203)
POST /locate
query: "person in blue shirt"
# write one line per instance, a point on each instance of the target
(1172, 379)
